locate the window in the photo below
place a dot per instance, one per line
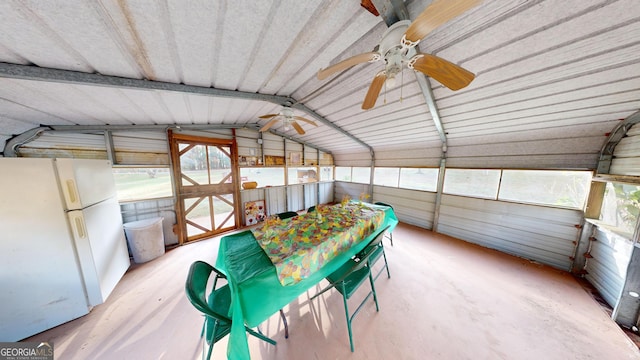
(142, 183)
(264, 176)
(620, 207)
(419, 178)
(558, 188)
(326, 173)
(343, 173)
(476, 183)
(302, 175)
(385, 176)
(361, 175)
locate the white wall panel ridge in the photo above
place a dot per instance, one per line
(544, 234)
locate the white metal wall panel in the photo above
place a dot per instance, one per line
(295, 198)
(275, 199)
(141, 148)
(626, 155)
(326, 192)
(425, 155)
(310, 195)
(607, 268)
(359, 158)
(273, 146)
(544, 234)
(411, 206)
(353, 190)
(67, 145)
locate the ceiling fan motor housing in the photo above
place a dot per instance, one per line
(391, 49)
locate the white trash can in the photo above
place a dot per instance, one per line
(145, 239)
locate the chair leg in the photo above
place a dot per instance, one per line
(346, 311)
(286, 326)
(386, 265)
(260, 336)
(210, 341)
(373, 289)
(391, 238)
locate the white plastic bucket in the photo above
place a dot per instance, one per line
(145, 239)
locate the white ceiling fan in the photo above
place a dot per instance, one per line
(288, 120)
(398, 49)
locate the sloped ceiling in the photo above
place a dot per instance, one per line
(553, 77)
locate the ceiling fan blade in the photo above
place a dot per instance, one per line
(269, 125)
(436, 14)
(268, 116)
(297, 127)
(345, 64)
(305, 120)
(448, 74)
(374, 90)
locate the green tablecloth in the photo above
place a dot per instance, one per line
(256, 290)
(302, 245)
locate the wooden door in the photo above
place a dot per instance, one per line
(206, 185)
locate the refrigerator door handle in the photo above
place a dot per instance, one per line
(71, 188)
(80, 228)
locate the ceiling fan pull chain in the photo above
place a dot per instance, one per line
(385, 92)
(401, 84)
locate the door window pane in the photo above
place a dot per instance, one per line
(219, 164)
(223, 216)
(197, 215)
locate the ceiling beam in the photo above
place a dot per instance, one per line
(330, 124)
(35, 73)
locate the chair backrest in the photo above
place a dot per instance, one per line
(372, 246)
(287, 214)
(362, 258)
(196, 288)
(383, 204)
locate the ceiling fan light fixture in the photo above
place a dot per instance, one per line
(391, 80)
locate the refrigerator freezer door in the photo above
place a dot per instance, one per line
(85, 182)
(102, 248)
(40, 280)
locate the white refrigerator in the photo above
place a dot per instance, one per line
(62, 244)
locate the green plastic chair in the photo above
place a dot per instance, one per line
(216, 307)
(348, 278)
(389, 235)
(378, 251)
(287, 215)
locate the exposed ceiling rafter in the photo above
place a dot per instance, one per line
(35, 73)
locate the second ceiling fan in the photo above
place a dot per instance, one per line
(397, 48)
(288, 120)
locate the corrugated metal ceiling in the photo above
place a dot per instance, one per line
(552, 77)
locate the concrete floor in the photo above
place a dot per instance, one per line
(446, 299)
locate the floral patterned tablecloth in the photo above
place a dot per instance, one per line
(301, 245)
